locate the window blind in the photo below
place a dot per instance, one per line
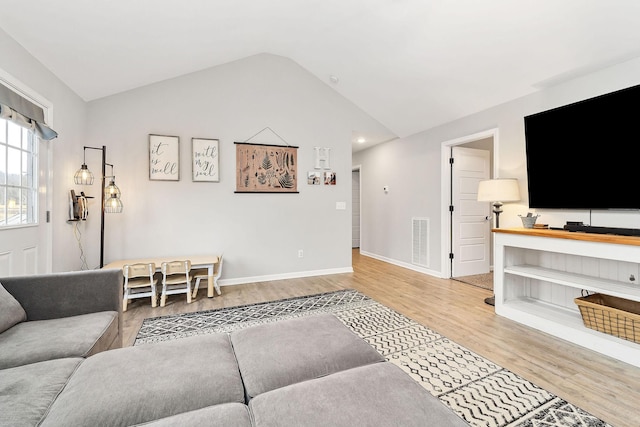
(23, 112)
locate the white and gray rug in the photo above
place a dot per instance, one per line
(481, 392)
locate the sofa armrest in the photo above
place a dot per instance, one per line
(56, 295)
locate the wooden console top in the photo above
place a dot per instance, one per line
(572, 235)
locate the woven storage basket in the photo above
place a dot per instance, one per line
(614, 316)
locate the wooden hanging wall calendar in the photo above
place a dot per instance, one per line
(262, 168)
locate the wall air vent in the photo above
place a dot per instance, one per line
(420, 234)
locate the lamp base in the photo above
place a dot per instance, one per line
(497, 209)
(490, 300)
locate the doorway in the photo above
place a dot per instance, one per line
(355, 208)
(466, 224)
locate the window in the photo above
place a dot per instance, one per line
(18, 175)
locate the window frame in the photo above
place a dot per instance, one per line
(24, 144)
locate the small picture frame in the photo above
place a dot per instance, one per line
(164, 158)
(314, 178)
(205, 160)
(329, 178)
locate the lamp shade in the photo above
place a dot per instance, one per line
(498, 190)
(83, 176)
(112, 189)
(113, 204)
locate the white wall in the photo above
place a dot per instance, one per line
(69, 117)
(260, 234)
(412, 168)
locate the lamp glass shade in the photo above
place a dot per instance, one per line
(83, 176)
(111, 190)
(498, 190)
(113, 204)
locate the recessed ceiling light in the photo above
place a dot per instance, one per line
(334, 79)
(361, 140)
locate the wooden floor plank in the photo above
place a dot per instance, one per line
(603, 386)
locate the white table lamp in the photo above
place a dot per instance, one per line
(498, 191)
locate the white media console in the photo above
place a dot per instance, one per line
(538, 273)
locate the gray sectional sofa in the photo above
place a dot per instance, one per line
(49, 324)
(309, 371)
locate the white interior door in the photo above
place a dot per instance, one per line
(471, 231)
(25, 249)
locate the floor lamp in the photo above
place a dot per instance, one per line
(110, 196)
(498, 191)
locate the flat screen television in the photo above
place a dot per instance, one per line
(582, 155)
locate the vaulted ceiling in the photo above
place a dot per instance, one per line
(410, 64)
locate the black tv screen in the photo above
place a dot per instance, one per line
(582, 155)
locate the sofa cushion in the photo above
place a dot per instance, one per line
(27, 392)
(278, 354)
(374, 395)
(133, 385)
(39, 340)
(226, 414)
(11, 312)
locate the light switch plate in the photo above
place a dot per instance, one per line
(341, 206)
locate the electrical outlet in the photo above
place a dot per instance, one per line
(300, 253)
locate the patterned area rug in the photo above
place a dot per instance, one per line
(481, 392)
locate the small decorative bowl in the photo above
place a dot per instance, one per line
(528, 221)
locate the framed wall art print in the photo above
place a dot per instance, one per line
(205, 164)
(164, 158)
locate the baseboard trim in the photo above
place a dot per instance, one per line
(293, 275)
(422, 270)
(312, 273)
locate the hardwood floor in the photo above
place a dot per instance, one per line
(606, 388)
